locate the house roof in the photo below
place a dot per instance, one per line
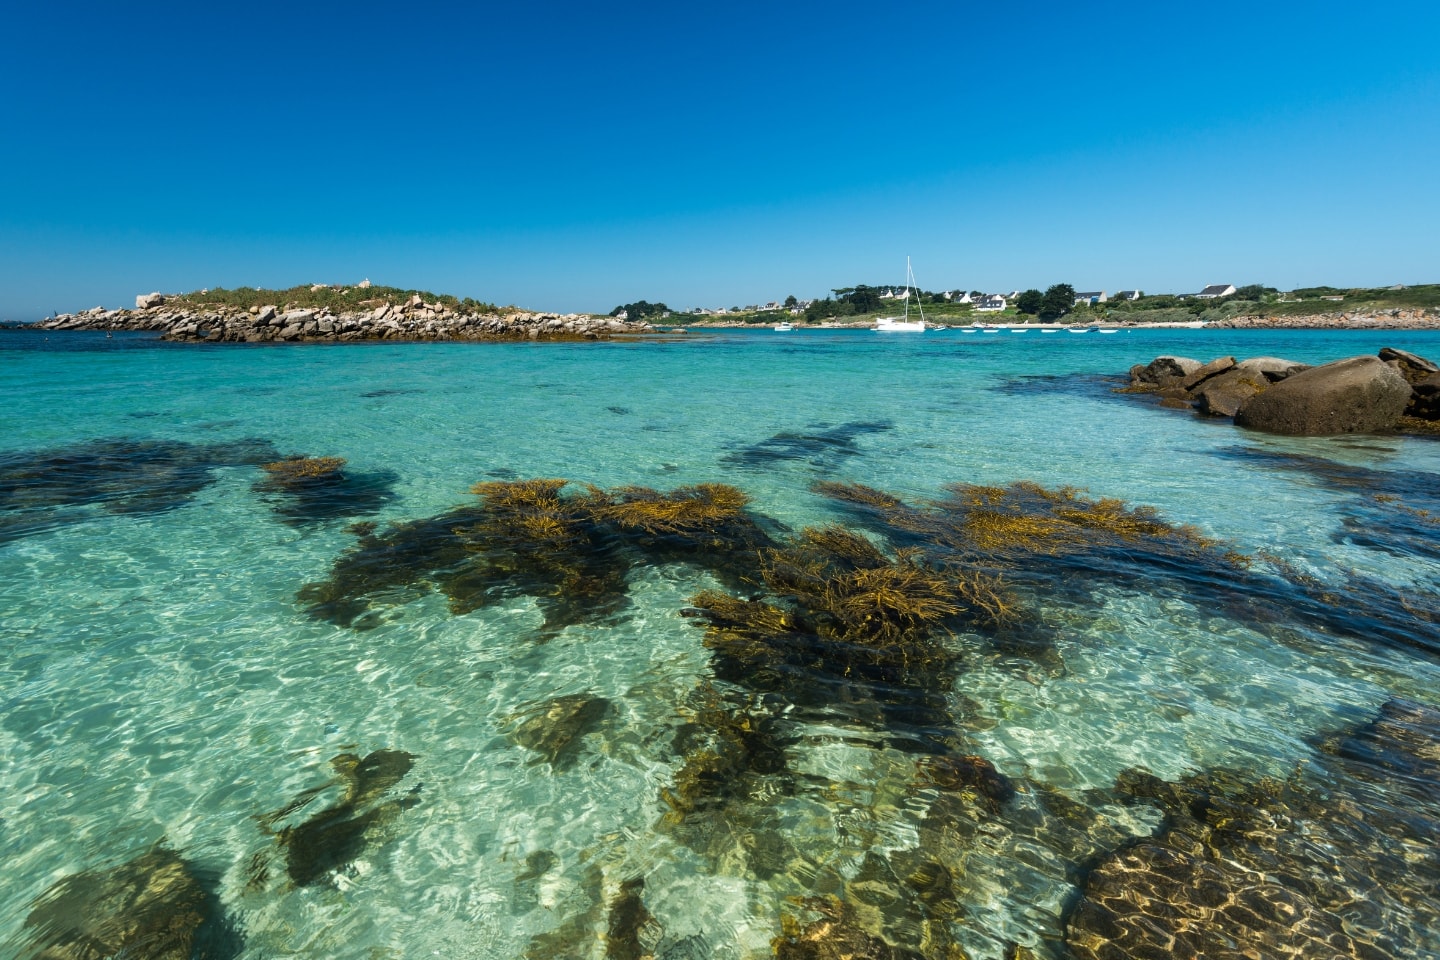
(1216, 290)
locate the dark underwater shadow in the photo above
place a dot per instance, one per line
(42, 490)
(819, 445)
(1393, 511)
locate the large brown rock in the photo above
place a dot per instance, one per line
(1221, 396)
(1356, 395)
(1163, 372)
(1412, 367)
(1271, 368)
(1425, 398)
(1212, 369)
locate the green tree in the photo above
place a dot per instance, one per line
(1030, 302)
(791, 303)
(1059, 300)
(640, 309)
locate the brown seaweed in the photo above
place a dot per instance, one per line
(1320, 865)
(554, 728)
(571, 553)
(852, 635)
(313, 489)
(837, 934)
(327, 841)
(395, 565)
(631, 933)
(154, 906)
(735, 766)
(1056, 541)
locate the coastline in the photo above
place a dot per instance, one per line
(418, 320)
(413, 320)
(1391, 319)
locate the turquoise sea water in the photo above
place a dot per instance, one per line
(162, 684)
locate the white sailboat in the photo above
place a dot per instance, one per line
(904, 324)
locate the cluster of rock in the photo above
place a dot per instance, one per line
(1365, 394)
(413, 319)
(1392, 319)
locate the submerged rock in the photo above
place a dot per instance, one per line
(331, 839)
(554, 728)
(1358, 395)
(835, 935)
(1331, 866)
(151, 908)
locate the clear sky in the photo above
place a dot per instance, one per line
(572, 156)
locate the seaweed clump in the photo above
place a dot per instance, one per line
(571, 552)
(1008, 526)
(153, 906)
(555, 728)
(1245, 866)
(734, 747)
(529, 540)
(318, 847)
(310, 489)
(837, 934)
(852, 634)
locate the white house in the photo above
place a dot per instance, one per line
(1216, 290)
(990, 304)
(1128, 294)
(1094, 296)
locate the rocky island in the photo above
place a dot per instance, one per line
(324, 313)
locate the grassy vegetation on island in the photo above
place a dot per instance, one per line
(339, 299)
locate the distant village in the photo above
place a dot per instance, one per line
(979, 302)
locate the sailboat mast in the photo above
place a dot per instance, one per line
(907, 288)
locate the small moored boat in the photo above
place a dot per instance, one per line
(904, 324)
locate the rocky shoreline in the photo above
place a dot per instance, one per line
(1394, 319)
(414, 319)
(1395, 390)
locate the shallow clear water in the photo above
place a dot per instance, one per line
(160, 680)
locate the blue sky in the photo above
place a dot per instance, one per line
(575, 156)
